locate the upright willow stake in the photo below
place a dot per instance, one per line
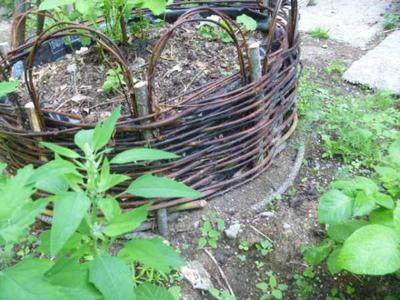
(34, 122)
(20, 8)
(256, 74)
(143, 108)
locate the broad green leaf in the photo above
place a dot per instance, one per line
(384, 200)
(20, 221)
(317, 254)
(25, 281)
(73, 278)
(175, 291)
(69, 210)
(340, 232)
(332, 261)
(127, 222)
(52, 4)
(248, 22)
(363, 204)
(104, 131)
(110, 208)
(277, 294)
(141, 154)
(394, 151)
(84, 137)
(382, 216)
(262, 286)
(112, 278)
(149, 186)
(50, 176)
(73, 243)
(157, 7)
(8, 87)
(148, 291)
(334, 207)
(152, 253)
(371, 250)
(396, 217)
(63, 151)
(15, 192)
(366, 184)
(107, 180)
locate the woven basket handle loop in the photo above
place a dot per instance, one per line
(72, 29)
(187, 18)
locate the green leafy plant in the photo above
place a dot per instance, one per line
(363, 220)
(392, 21)
(221, 295)
(214, 32)
(336, 68)
(115, 12)
(114, 80)
(211, 231)
(85, 254)
(271, 289)
(7, 87)
(264, 247)
(360, 128)
(244, 246)
(319, 33)
(248, 22)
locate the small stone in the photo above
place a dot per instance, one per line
(286, 226)
(267, 214)
(233, 231)
(325, 46)
(197, 276)
(71, 68)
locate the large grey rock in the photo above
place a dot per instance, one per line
(197, 275)
(233, 231)
(380, 67)
(354, 22)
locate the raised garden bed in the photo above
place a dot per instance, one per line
(226, 125)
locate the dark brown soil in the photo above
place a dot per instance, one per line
(189, 60)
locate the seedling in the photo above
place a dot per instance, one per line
(320, 33)
(211, 231)
(248, 22)
(336, 68)
(114, 80)
(244, 246)
(221, 295)
(264, 247)
(271, 289)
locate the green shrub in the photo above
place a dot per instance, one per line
(363, 222)
(82, 255)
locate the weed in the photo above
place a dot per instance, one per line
(221, 295)
(271, 289)
(114, 80)
(360, 128)
(264, 247)
(305, 287)
(336, 68)
(211, 231)
(392, 21)
(244, 246)
(248, 22)
(319, 33)
(79, 242)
